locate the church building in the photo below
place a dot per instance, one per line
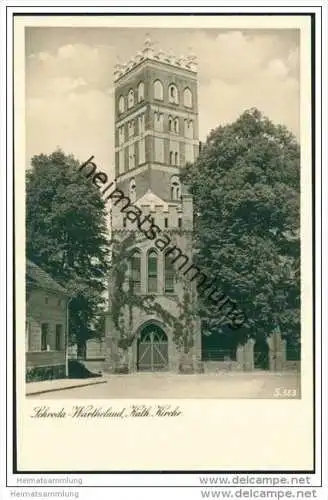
(156, 135)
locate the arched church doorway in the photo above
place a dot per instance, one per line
(261, 355)
(152, 349)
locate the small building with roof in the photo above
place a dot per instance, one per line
(46, 325)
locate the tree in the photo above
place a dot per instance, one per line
(185, 326)
(246, 189)
(66, 236)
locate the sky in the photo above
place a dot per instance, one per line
(69, 81)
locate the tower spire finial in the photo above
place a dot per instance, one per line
(148, 49)
(148, 40)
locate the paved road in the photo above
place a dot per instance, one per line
(167, 385)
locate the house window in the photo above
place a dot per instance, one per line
(141, 91)
(169, 273)
(135, 267)
(132, 190)
(130, 99)
(44, 336)
(158, 90)
(121, 105)
(187, 98)
(175, 187)
(152, 271)
(59, 337)
(173, 94)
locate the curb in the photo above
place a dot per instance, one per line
(43, 391)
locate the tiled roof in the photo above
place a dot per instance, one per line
(37, 277)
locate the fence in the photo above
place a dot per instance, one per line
(95, 349)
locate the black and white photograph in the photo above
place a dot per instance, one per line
(162, 213)
(165, 313)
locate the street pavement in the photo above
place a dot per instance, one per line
(46, 386)
(257, 384)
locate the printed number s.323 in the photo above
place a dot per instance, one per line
(283, 392)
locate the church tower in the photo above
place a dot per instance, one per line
(156, 122)
(156, 135)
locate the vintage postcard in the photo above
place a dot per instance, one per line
(164, 288)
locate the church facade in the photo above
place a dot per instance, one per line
(156, 135)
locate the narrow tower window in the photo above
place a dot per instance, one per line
(158, 90)
(158, 121)
(132, 190)
(189, 129)
(187, 98)
(130, 99)
(169, 273)
(170, 124)
(121, 135)
(173, 94)
(176, 125)
(152, 271)
(141, 91)
(175, 187)
(135, 275)
(121, 105)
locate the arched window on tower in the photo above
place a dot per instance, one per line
(121, 105)
(188, 129)
(130, 99)
(176, 125)
(133, 190)
(175, 187)
(173, 94)
(158, 121)
(141, 91)
(187, 98)
(169, 274)
(135, 272)
(152, 271)
(170, 124)
(158, 90)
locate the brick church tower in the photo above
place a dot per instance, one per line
(156, 134)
